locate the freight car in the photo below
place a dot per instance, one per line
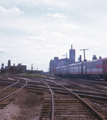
(95, 69)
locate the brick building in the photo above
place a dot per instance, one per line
(13, 69)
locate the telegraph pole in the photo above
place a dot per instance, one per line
(84, 52)
(65, 55)
(32, 67)
(66, 58)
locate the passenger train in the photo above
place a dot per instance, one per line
(95, 69)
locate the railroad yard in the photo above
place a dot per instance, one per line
(52, 99)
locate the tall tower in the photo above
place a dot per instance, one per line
(72, 54)
(9, 63)
(2, 66)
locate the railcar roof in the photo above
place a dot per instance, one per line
(75, 64)
(61, 66)
(102, 59)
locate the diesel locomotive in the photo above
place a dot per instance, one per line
(95, 69)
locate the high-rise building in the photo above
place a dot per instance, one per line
(51, 67)
(9, 63)
(72, 54)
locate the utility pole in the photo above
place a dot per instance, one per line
(84, 52)
(66, 58)
(65, 55)
(32, 67)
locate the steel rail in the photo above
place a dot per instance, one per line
(86, 92)
(91, 96)
(87, 85)
(52, 101)
(13, 92)
(83, 95)
(83, 101)
(63, 92)
(9, 86)
(78, 92)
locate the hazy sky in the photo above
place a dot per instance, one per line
(36, 31)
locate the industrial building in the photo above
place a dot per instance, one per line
(13, 69)
(62, 62)
(72, 54)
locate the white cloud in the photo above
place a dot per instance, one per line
(13, 11)
(51, 46)
(69, 25)
(60, 3)
(57, 15)
(36, 38)
(38, 47)
(58, 22)
(2, 50)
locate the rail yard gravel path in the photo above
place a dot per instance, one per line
(24, 106)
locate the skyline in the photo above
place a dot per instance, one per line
(36, 31)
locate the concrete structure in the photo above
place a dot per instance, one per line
(57, 63)
(9, 63)
(9, 70)
(21, 68)
(94, 57)
(80, 59)
(62, 62)
(72, 54)
(51, 67)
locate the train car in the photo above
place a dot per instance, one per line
(61, 71)
(75, 70)
(96, 69)
(57, 71)
(104, 68)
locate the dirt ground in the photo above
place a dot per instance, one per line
(25, 105)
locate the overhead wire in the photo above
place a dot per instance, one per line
(97, 46)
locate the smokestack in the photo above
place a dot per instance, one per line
(9, 63)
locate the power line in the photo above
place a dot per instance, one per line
(97, 46)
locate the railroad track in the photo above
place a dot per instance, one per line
(67, 106)
(71, 99)
(98, 85)
(10, 90)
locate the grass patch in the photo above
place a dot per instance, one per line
(33, 75)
